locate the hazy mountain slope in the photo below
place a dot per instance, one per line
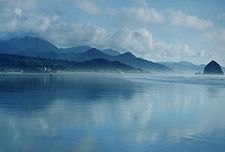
(111, 52)
(17, 45)
(183, 66)
(93, 54)
(78, 49)
(130, 59)
(9, 62)
(36, 53)
(36, 47)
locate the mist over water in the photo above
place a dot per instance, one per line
(112, 112)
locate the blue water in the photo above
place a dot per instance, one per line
(111, 112)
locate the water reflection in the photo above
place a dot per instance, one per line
(40, 91)
(101, 113)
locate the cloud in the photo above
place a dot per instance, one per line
(23, 4)
(142, 14)
(65, 34)
(175, 51)
(87, 6)
(221, 17)
(18, 11)
(142, 2)
(19, 20)
(72, 34)
(112, 12)
(178, 18)
(142, 43)
(145, 15)
(139, 40)
(215, 41)
(218, 36)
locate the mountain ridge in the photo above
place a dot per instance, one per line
(28, 46)
(12, 62)
(16, 45)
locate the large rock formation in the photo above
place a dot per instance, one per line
(213, 68)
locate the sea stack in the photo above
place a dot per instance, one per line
(213, 68)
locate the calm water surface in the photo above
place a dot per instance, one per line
(105, 112)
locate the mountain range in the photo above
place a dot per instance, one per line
(37, 47)
(185, 67)
(18, 63)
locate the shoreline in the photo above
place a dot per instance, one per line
(121, 73)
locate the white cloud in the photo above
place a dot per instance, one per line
(175, 51)
(178, 18)
(112, 12)
(72, 34)
(142, 2)
(22, 4)
(87, 6)
(44, 23)
(142, 14)
(139, 40)
(215, 41)
(18, 11)
(65, 34)
(17, 24)
(218, 36)
(221, 17)
(15, 20)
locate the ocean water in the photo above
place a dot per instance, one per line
(112, 113)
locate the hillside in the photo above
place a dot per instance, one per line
(36, 47)
(14, 63)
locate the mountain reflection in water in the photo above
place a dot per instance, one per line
(102, 112)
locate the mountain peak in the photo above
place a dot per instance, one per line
(26, 43)
(92, 54)
(77, 49)
(186, 63)
(111, 52)
(94, 50)
(128, 55)
(28, 37)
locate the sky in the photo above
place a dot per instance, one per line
(157, 30)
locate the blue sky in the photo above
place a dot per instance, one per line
(158, 30)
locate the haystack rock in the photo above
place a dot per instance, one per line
(213, 68)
